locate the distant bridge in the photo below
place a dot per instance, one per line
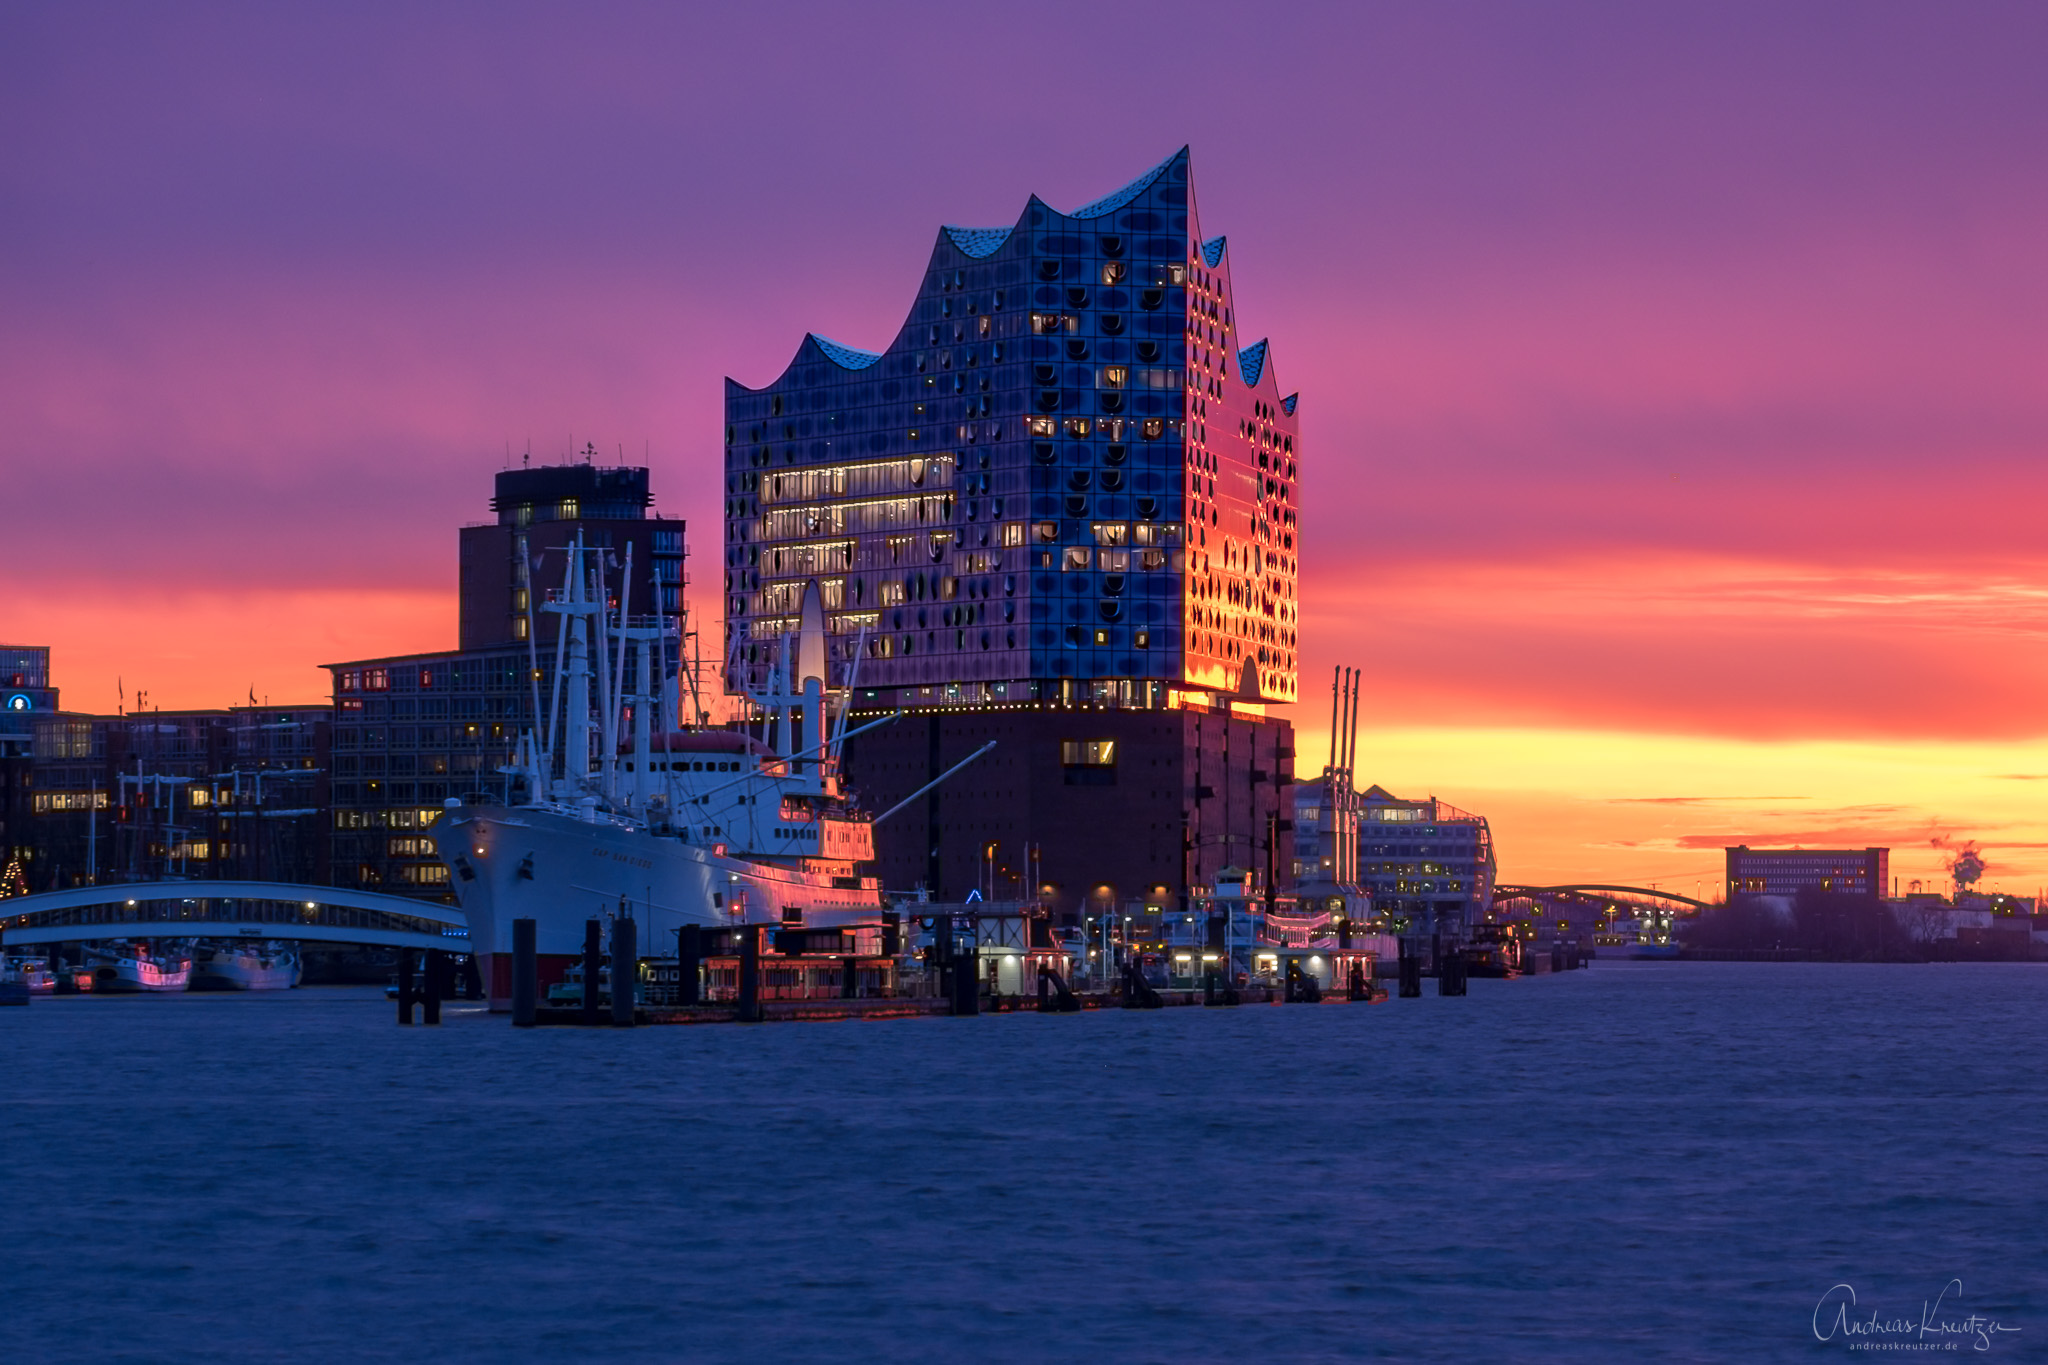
(1639, 897)
(224, 909)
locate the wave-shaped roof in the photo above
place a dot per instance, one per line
(845, 357)
(1289, 401)
(1110, 203)
(1251, 363)
(979, 243)
(1212, 251)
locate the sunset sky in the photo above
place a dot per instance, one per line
(1674, 377)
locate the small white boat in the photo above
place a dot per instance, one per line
(32, 972)
(245, 967)
(130, 968)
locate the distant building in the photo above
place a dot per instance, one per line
(1057, 510)
(1788, 871)
(1426, 862)
(25, 694)
(239, 792)
(412, 730)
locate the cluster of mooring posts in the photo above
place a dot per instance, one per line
(757, 973)
(427, 978)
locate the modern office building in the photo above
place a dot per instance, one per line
(1788, 871)
(412, 730)
(1430, 866)
(1058, 510)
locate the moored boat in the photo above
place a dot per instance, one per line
(120, 968)
(235, 966)
(34, 973)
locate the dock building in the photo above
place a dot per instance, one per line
(412, 730)
(1058, 510)
(1788, 871)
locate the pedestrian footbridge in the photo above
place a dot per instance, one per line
(231, 909)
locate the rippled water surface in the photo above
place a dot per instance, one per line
(1639, 1161)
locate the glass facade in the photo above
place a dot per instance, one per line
(1428, 865)
(1063, 470)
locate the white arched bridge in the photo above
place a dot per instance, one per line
(1604, 894)
(223, 909)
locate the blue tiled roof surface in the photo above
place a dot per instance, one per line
(1251, 363)
(979, 242)
(1288, 403)
(845, 357)
(1212, 252)
(1112, 202)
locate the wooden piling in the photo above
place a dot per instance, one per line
(625, 970)
(525, 974)
(593, 965)
(405, 995)
(434, 982)
(750, 975)
(689, 962)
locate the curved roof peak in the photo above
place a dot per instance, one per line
(1251, 362)
(1289, 401)
(1110, 203)
(845, 357)
(978, 243)
(1212, 251)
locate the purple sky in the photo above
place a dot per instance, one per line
(1713, 337)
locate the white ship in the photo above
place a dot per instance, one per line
(245, 967)
(120, 968)
(716, 828)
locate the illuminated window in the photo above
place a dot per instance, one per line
(1013, 533)
(1088, 753)
(1076, 558)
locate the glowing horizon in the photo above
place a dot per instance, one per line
(1671, 397)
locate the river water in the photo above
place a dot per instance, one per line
(1639, 1161)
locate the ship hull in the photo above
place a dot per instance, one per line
(562, 871)
(229, 969)
(130, 976)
